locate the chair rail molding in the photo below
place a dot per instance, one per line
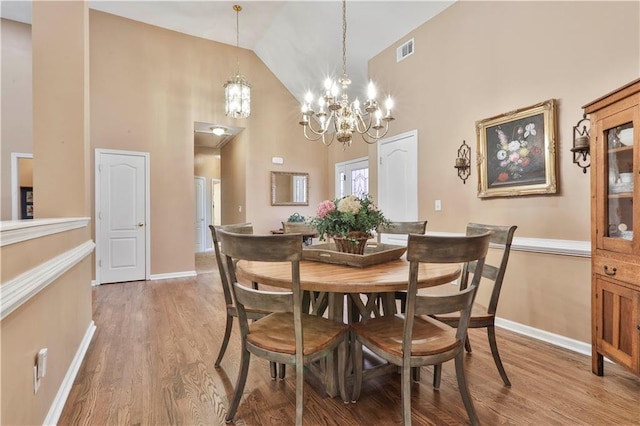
(17, 291)
(12, 232)
(541, 245)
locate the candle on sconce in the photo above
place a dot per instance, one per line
(461, 162)
(581, 142)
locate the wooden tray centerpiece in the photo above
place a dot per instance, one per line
(374, 253)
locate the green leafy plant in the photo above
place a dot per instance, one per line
(296, 217)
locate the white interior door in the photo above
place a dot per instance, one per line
(398, 180)
(216, 206)
(200, 186)
(122, 216)
(352, 177)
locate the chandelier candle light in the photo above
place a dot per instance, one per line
(237, 92)
(347, 117)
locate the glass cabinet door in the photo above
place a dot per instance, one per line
(620, 181)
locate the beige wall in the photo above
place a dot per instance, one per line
(16, 112)
(149, 85)
(59, 315)
(500, 56)
(61, 167)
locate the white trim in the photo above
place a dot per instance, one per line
(562, 247)
(67, 382)
(12, 232)
(541, 245)
(18, 290)
(147, 235)
(170, 275)
(545, 336)
(15, 182)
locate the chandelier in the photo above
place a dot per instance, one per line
(336, 113)
(237, 92)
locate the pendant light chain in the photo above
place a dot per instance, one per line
(339, 118)
(237, 8)
(344, 37)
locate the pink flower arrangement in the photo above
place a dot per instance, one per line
(325, 207)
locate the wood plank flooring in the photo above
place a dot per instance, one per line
(151, 363)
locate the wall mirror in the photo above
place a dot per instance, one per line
(289, 189)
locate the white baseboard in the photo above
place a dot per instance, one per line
(184, 274)
(63, 391)
(555, 339)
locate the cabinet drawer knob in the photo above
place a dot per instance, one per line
(611, 272)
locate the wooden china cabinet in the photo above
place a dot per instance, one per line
(615, 227)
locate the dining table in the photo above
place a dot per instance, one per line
(328, 285)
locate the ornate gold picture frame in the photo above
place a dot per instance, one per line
(517, 152)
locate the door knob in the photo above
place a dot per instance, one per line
(140, 224)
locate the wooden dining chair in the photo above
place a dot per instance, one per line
(415, 339)
(481, 316)
(401, 228)
(307, 230)
(240, 228)
(279, 336)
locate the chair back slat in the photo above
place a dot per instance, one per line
(298, 228)
(262, 248)
(443, 304)
(437, 249)
(488, 271)
(260, 300)
(417, 227)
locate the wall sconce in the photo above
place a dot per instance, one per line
(463, 162)
(581, 144)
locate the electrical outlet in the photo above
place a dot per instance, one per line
(239, 209)
(438, 205)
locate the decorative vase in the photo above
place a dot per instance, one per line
(354, 243)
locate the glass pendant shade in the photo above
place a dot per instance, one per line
(237, 94)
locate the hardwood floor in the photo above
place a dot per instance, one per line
(151, 363)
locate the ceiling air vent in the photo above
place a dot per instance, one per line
(404, 51)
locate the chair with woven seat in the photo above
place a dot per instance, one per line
(279, 336)
(240, 228)
(484, 317)
(415, 339)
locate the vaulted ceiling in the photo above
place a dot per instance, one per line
(300, 41)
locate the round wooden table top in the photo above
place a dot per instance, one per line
(326, 277)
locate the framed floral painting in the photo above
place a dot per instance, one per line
(517, 152)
